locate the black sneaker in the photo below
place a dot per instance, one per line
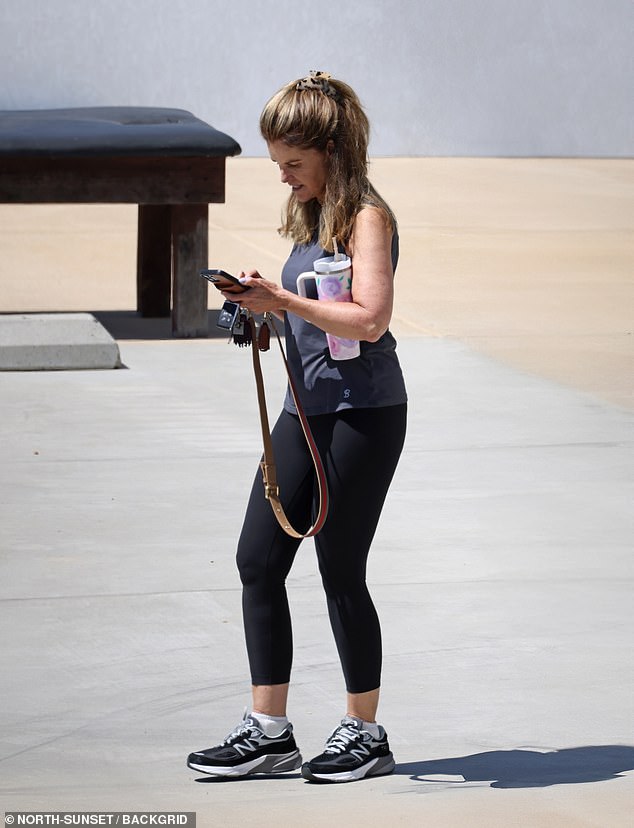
(350, 753)
(248, 750)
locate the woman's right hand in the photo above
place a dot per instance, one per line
(263, 296)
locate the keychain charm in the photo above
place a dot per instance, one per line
(264, 335)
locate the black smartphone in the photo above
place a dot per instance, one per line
(223, 280)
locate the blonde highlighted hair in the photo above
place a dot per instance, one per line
(310, 113)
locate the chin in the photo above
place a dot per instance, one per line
(304, 198)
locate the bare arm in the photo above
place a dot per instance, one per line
(368, 315)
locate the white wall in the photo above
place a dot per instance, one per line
(438, 77)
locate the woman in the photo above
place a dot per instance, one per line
(317, 133)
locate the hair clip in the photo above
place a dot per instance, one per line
(319, 81)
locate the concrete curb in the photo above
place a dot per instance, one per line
(55, 342)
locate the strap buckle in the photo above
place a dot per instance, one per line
(271, 489)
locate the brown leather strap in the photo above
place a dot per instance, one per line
(269, 472)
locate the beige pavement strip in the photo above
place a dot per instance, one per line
(528, 260)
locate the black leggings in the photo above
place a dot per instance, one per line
(360, 449)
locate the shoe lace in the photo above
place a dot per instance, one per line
(342, 737)
(245, 728)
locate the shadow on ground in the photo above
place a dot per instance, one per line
(527, 768)
(122, 324)
(254, 778)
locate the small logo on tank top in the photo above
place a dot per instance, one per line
(346, 394)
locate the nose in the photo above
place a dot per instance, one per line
(283, 176)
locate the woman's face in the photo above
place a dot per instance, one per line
(304, 170)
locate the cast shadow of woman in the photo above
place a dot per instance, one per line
(528, 768)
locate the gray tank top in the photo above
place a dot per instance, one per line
(372, 380)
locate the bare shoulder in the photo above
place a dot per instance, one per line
(373, 216)
(372, 226)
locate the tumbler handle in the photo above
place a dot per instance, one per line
(301, 282)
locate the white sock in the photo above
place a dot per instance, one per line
(271, 725)
(372, 728)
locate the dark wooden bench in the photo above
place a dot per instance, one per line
(165, 160)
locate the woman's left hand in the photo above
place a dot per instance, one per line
(262, 296)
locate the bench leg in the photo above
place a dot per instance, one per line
(154, 259)
(189, 257)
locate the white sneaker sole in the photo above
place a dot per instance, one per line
(270, 763)
(376, 767)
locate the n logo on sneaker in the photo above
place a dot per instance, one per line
(359, 752)
(246, 747)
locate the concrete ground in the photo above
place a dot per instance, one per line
(502, 569)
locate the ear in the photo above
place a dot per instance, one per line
(330, 147)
